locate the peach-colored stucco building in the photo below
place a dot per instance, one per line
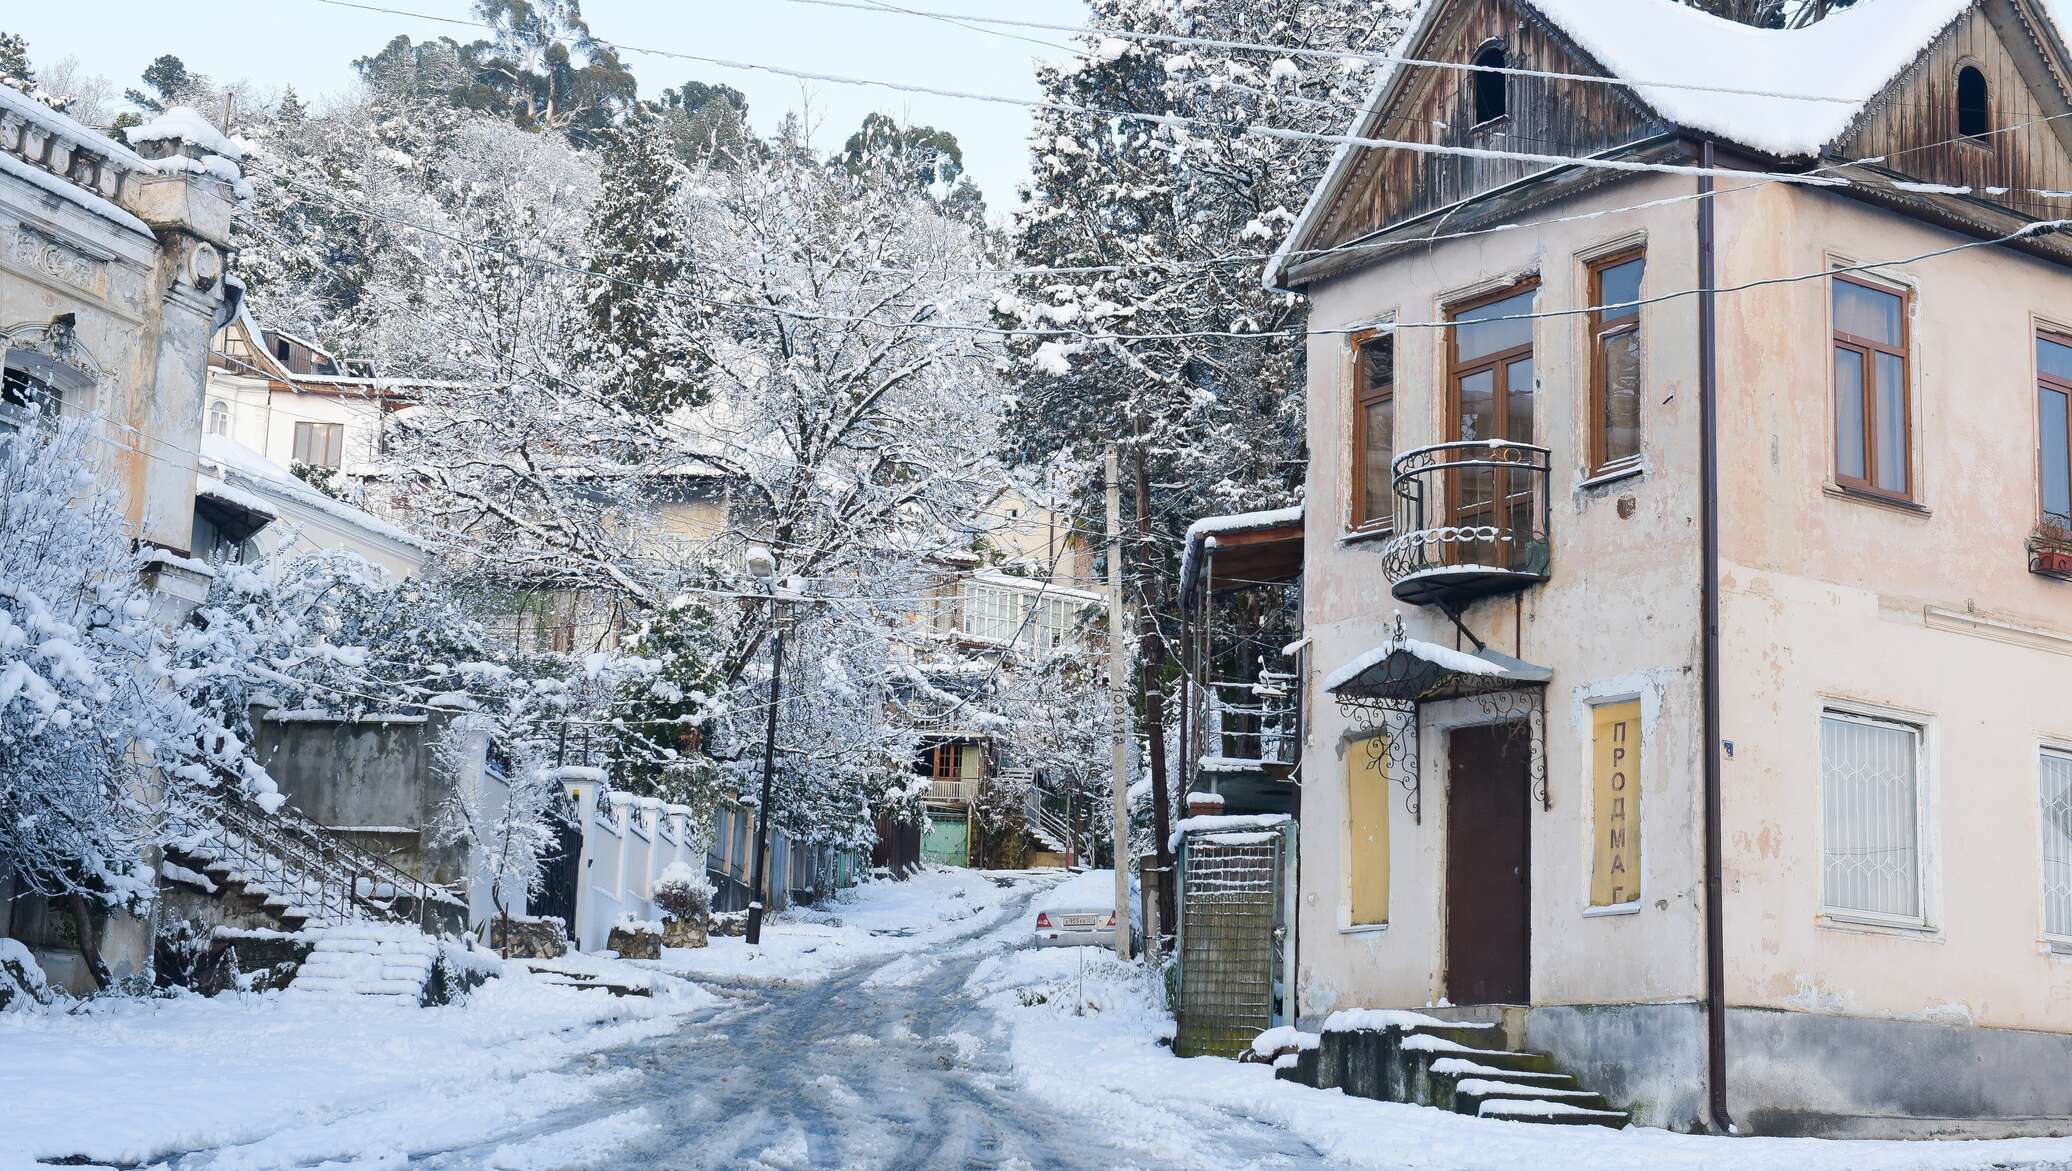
(1504, 798)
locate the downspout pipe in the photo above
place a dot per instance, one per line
(1708, 474)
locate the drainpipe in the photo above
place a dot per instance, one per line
(1708, 465)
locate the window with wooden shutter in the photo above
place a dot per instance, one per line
(1367, 819)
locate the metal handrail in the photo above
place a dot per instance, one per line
(314, 868)
(1432, 524)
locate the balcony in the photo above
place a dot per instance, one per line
(951, 792)
(1470, 522)
(1253, 726)
(2050, 548)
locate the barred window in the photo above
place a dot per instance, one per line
(1870, 796)
(2057, 844)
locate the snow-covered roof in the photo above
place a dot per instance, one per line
(240, 466)
(1445, 658)
(208, 487)
(1806, 86)
(1202, 534)
(28, 109)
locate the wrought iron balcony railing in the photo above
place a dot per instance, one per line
(1471, 521)
(2050, 547)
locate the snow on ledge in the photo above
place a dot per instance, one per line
(1243, 522)
(1351, 1019)
(1225, 822)
(1281, 1037)
(185, 124)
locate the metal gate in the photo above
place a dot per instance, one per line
(1234, 945)
(562, 875)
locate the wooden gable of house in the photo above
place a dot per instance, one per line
(1913, 128)
(1543, 116)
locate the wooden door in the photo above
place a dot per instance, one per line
(1488, 865)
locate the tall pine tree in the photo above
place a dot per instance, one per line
(642, 346)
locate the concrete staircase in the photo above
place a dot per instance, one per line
(1465, 1067)
(392, 962)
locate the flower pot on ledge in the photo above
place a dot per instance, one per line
(2056, 562)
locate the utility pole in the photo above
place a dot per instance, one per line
(1158, 899)
(764, 568)
(1118, 707)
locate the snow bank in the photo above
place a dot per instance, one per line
(1281, 1037)
(287, 1081)
(1111, 1063)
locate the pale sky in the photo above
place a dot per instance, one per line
(312, 45)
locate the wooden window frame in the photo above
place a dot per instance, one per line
(1499, 362)
(1867, 485)
(1600, 464)
(1972, 137)
(1363, 397)
(2064, 386)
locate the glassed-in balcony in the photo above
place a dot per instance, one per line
(1470, 522)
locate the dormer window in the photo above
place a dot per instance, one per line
(1974, 109)
(1490, 95)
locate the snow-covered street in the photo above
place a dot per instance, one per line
(909, 1025)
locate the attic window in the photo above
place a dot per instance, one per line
(1974, 111)
(1489, 84)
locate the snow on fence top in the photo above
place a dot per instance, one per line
(1225, 822)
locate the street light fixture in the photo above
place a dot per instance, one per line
(762, 566)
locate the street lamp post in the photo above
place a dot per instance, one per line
(763, 567)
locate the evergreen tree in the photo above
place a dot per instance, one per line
(662, 717)
(918, 159)
(641, 347)
(14, 63)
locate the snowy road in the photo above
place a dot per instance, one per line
(885, 1065)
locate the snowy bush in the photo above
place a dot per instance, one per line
(105, 748)
(682, 892)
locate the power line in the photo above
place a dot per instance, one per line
(1176, 120)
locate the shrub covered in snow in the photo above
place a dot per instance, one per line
(105, 746)
(683, 893)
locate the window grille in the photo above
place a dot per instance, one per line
(2057, 845)
(1870, 818)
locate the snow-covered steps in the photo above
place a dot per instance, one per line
(1410, 1057)
(387, 961)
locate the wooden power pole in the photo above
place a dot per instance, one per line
(1118, 707)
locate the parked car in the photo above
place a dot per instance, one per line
(1080, 912)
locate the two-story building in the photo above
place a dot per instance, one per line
(1684, 574)
(112, 278)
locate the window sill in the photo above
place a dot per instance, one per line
(1364, 929)
(1611, 912)
(1613, 475)
(2056, 947)
(1364, 536)
(1926, 932)
(1836, 492)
